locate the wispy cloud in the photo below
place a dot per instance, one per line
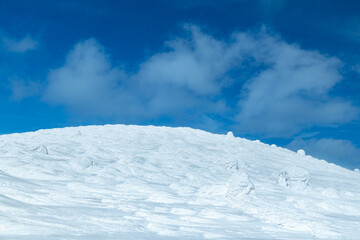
(287, 89)
(179, 83)
(20, 45)
(198, 63)
(86, 82)
(337, 151)
(23, 89)
(350, 28)
(291, 91)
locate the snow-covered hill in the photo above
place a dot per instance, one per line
(132, 182)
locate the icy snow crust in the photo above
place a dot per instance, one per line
(132, 182)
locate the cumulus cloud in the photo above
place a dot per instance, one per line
(288, 88)
(291, 91)
(339, 151)
(20, 46)
(199, 63)
(86, 82)
(179, 83)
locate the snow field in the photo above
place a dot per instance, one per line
(133, 182)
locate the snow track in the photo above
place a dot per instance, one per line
(133, 182)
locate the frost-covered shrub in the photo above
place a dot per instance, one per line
(294, 177)
(233, 165)
(41, 149)
(239, 185)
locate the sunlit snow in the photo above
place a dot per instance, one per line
(133, 182)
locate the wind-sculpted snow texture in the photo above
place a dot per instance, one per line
(132, 182)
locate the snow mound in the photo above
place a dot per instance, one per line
(230, 134)
(294, 177)
(330, 193)
(301, 152)
(233, 165)
(239, 186)
(41, 149)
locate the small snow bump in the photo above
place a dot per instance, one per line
(41, 149)
(239, 185)
(301, 152)
(330, 193)
(357, 170)
(230, 134)
(257, 141)
(233, 165)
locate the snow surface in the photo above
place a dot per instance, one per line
(133, 182)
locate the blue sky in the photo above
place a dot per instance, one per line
(285, 72)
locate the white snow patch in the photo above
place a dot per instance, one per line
(132, 182)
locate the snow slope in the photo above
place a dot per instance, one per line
(133, 182)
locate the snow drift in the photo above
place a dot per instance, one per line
(132, 182)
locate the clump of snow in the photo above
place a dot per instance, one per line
(233, 165)
(357, 170)
(301, 152)
(273, 145)
(330, 193)
(239, 186)
(230, 134)
(294, 177)
(41, 149)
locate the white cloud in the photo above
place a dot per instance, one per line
(291, 91)
(338, 151)
(166, 86)
(20, 46)
(199, 63)
(87, 82)
(288, 90)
